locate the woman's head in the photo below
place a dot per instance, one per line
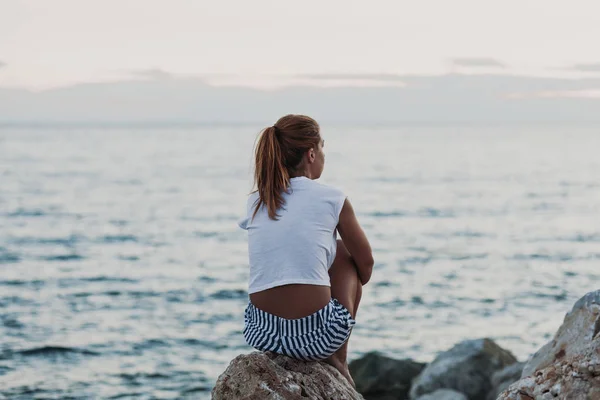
(292, 147)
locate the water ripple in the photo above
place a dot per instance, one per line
(62, 257)
(54, 351)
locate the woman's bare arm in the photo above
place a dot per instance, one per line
(356, 242)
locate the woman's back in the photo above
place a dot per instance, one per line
(298, 247)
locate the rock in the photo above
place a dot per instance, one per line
(382, 378)
(502, 379)
(444, 394)
(574, 379)
(259, 376)
(574, 336)
(467, 368)
(569, 366)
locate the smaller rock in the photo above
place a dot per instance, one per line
(502, 379)
(378, 377)
(467, 368)
(444, 394)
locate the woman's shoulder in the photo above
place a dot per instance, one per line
(330, 195)
(327, 189)
(252, 199)
(251, 202)
(333, 196)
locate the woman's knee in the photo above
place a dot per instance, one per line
(342, 251)
(343, 258)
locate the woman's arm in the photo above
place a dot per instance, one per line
(356, 242)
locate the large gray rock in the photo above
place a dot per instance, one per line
(569, 366)
(467, 368)
(259, 376)
(574, 336)
(378, 377)
(444, 394)
(502, 379)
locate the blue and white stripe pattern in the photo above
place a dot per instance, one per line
(311, 338)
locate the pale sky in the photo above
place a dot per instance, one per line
(45, 43)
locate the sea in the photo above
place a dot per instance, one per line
(123, 273)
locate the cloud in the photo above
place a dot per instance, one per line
(585, 67)
(155, 74)
(349, 80)
(478, 62)
(2, 64)
(353, 77)
(575, 94)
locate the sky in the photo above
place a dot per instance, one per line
(48, 44)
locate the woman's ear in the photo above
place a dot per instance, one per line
(312, 156)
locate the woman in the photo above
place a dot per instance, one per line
(305, 285)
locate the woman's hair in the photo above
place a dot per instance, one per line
(279, 152)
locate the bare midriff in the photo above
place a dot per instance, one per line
(292, 301)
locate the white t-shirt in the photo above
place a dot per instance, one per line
(300, 246)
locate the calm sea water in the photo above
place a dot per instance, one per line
(123, 273)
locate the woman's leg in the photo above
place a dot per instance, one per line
(346, 287)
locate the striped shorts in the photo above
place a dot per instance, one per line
(313, 338)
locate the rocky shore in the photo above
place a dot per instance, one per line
(568, 367)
